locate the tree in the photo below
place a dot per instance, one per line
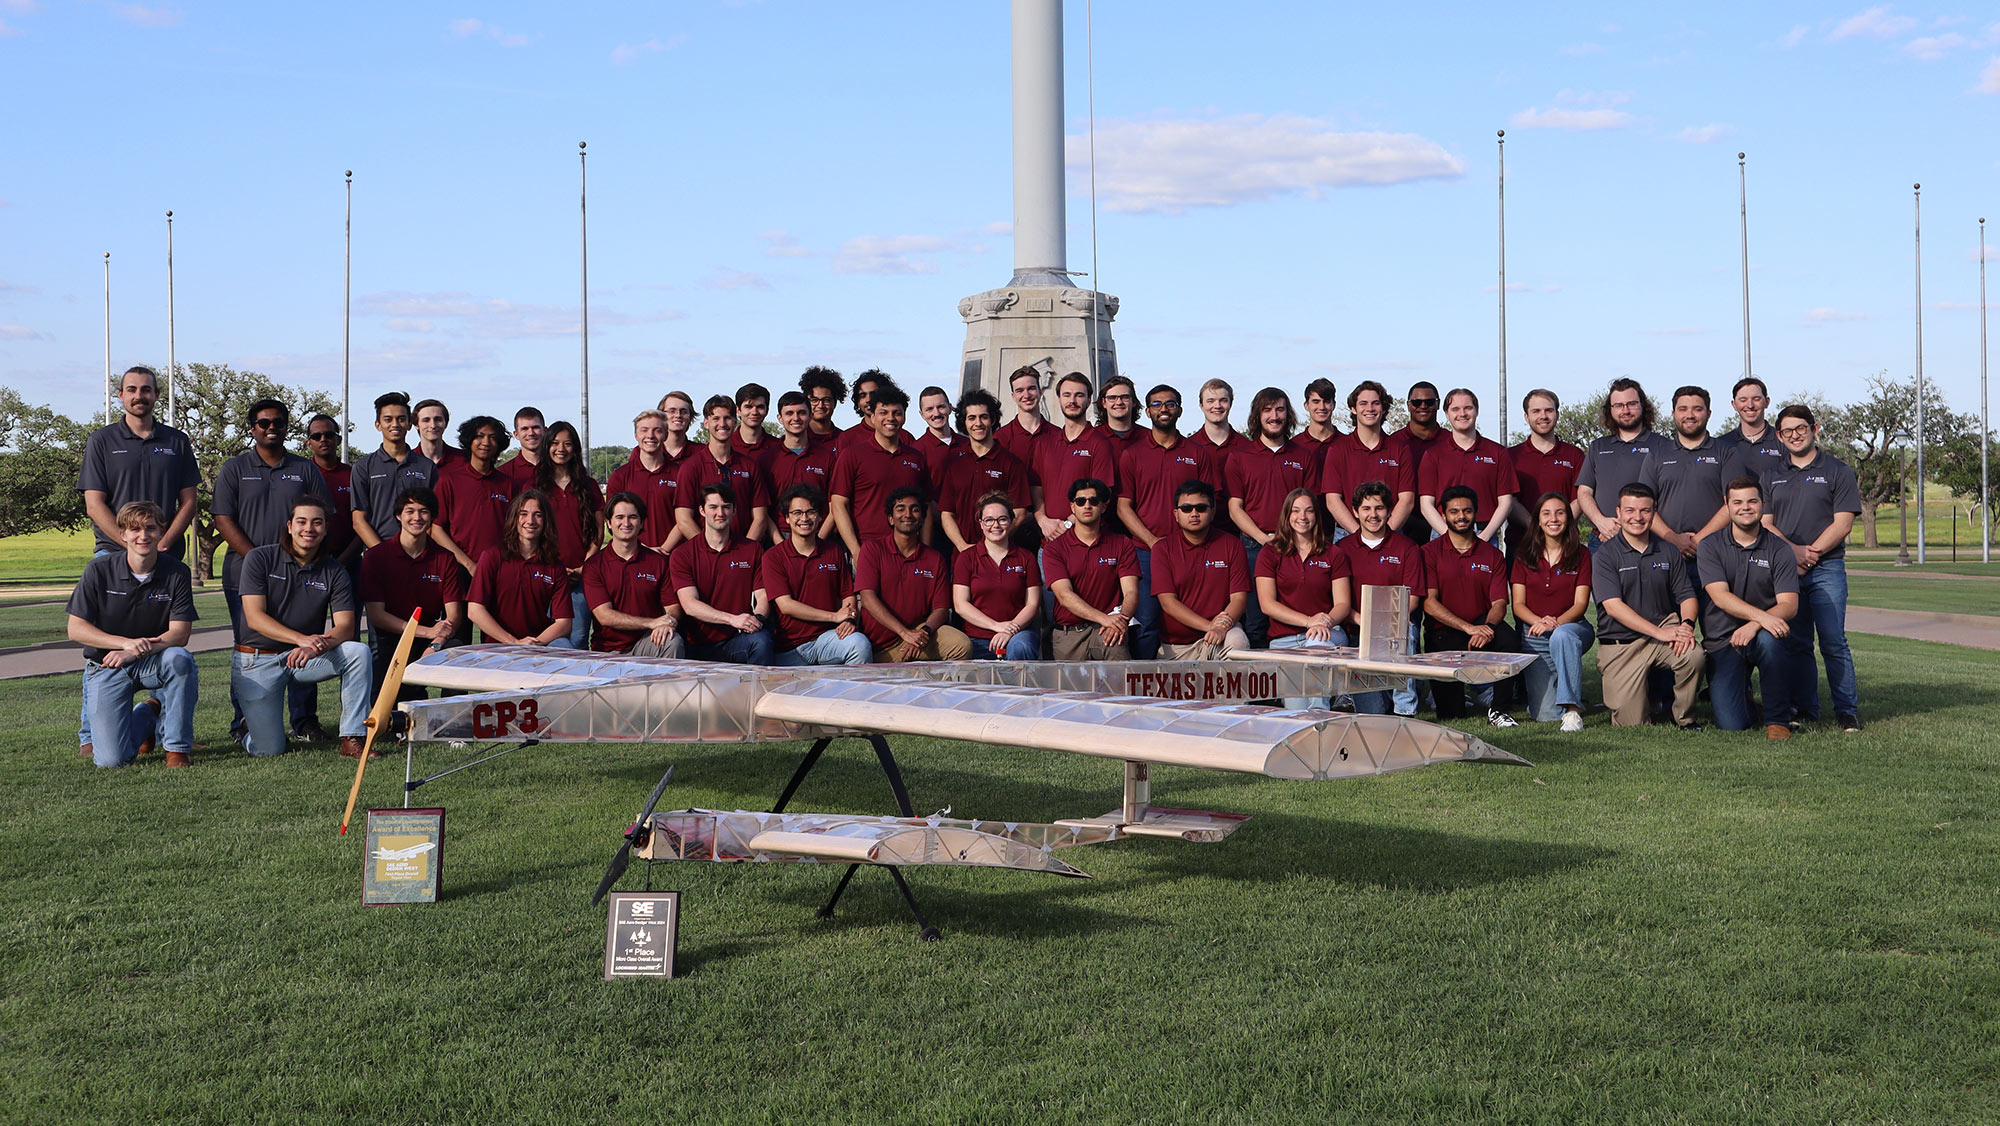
(41, 455)
(210, 402)
(1582, 423)
(1874, 435)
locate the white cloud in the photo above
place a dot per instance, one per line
(783, 244)
(20, 7)
(467, 28)
(147, 17)
(1795, 36)
(722, 277)
(627, 53)
(454, 314)
(1170, 165)
(1933, 47)
(998, 227)
(1989, 79)
(1688, 330)
(1875, 23)
(1575, 119)
(19, 332)
(1826, 316)
(897, 254)
(1703, 134)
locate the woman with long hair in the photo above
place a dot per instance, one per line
(520, 592)
(575, 515)
(1304, 584)
(1551, 587)
(997, 588)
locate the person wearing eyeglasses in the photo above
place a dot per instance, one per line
(1812, 499)
(1202, 580)
(1118, 414)
(253, 500)
(1093, 575)
(1305, 584)
(1153, 469)
(824, 388)
(812, 590)
(1613, 460)
(996, 588)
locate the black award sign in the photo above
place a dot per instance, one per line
(643, 929)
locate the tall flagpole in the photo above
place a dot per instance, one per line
(583, 214)
(1918, 190)
(1743, 209)
(109, 392)
(1503, 286)
(346, 314)
(1985, 524)
(173, 376)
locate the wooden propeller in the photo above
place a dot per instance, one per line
(385, 706)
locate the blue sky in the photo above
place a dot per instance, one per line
(1284, 191)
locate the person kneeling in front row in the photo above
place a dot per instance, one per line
(289, 589)
(1645, 615)
(1202, 579)
(1752, 578)
(1467, 604)
(132, 612)
(818, 615)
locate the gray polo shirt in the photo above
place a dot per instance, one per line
(1802, 500)
(111, 598)
(1754, 454)
(1691, 483)
(125, 468)
(259, 498)
(300, 598)
(1757, 574)
(379, 479)
(1611, 463)
(1652, 582)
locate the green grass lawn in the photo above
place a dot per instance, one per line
(55, 557)
(1940, 564)
(1895, 592)
(1644, 926)
(30, 625)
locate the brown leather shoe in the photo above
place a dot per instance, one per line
(350, 746)
(178, 758)
(87, 751)
(146, 744)
(1777, 731)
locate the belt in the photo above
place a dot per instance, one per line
(1072, 629)
(260, 652)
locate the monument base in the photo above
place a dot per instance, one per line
(1055, 329)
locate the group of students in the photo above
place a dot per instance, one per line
(1076, 538)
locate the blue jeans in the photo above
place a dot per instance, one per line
(120, 727)
(1822, 610)
(830, 648)
(1146, 634)
(1402, 700)
(301, 699)
(1729, 682)
(1023, 646)
(260, 679)
(1255, 625)
(743, 649)
(1294, 641)
(579, 618)
(1555, 680)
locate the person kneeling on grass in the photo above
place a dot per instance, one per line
(289, 588)
(132, 612)
(1752, 578)
(1467, 604)
(1304, 583)
(719, 581)
(1645, 615)
(1202, 579)
(810, 586)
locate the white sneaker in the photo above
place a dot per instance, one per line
(1572, 721)
(1498, 718)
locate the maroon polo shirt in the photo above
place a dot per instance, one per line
(635, 586)
(1538, 472)
(1261, 476)
(820, 580)
(1203, 576)
(1093, 571)
(763, 453)
(1154, 472)
(340, 521)
(724, 579)
(998, 590)
(866, 474)
(1468, 582)
(856, 435)
(910, 586)
(1312, 445)
(936, 453)
(1234, 442)
(404, 585)
(659, 489)
(520, 471)
(1304, 585)
(1346, 464)
(1065, 461)
(1487, 468)
(812, 466)
(969, 476)
(447, 454)
(1420, 448)
(570, 511)
(524, 597)
(1022, 444)
(1551, 589)
(1122, 440)
(830, 438)
(472, 507)
(1396, 561)
(701, 470)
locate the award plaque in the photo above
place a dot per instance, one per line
(403, 858)
(640, 937)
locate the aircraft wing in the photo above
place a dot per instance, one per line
(721, 836)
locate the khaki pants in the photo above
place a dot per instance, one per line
(1084, 645)
(1623, 667)
(947, 644)
(1202, 651)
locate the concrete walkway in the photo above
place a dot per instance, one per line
(1974, 630)
(66, 657)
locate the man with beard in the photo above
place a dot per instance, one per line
(1466, 607)
(905, 589)
(1156, 468)
(1202, 580)
(1613, 460)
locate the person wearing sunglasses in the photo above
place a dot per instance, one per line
(1153, 469)
(1419, 435)
(253, 501)
(1202, 580)
(1093, 575)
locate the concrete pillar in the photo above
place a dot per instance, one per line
(1039, 231)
